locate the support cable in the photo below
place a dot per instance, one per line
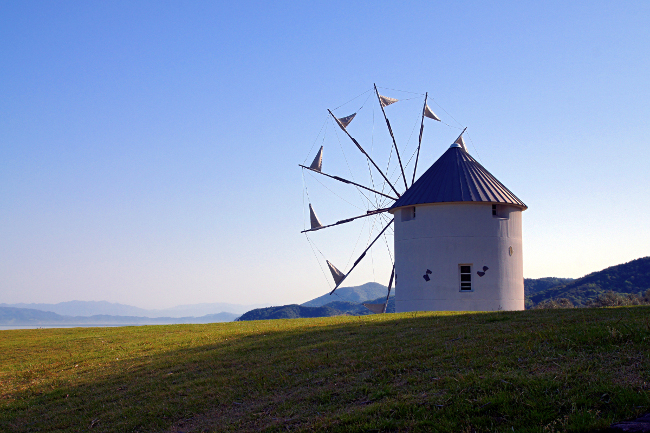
(348, 164)
(355, 244)
(353, 99)
(327, 282)
(324, 186)
(314, 143)
(405, 91)
(475, 149)
(364, 152)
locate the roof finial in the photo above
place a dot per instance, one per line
(459, 141)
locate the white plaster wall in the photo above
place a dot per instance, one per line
(441, 237)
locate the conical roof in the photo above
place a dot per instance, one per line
(457, 177)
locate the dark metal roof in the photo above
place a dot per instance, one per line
(457, 177)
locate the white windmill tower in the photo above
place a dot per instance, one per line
(457, 231)
(458, 244)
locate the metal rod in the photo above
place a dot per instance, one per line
(364, 152)
(362, 255)
(347, 220)
(340, 179)
(392, 136)
(461, 134)
(420, 139)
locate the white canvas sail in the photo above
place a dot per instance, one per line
(345, 121)
(336, 274)
(376, 308)
(459, 141)
(315, 223)
(430, 114)
(317, 164)
(386, 101)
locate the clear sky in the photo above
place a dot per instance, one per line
(149, 150)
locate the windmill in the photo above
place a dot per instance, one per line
(457, 229)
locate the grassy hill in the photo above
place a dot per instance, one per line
(632, 277)
(527, 371)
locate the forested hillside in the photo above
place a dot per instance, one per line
(628, 278)
(536, 285)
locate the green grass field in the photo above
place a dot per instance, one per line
(539, 370)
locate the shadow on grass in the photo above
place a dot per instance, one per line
(559, 370)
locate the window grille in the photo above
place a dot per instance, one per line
(465, 278)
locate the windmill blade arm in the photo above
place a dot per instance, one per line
(390, 285)
(365, 153)
(399, 159)
(340, 179)
(362, 255)
(415, 168)
(347, 220)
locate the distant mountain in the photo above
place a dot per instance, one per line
(355, 294)
(93, 308)
(631, 277)
(348, 302)
(27, 316)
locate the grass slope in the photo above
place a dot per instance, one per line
(539, 370)
(630, 277)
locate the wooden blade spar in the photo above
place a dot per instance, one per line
(340, 179)
(362, 255)
(399, 159)
(347, 220)
(390, 285)
(420, 139)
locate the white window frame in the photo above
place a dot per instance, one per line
(462, 285)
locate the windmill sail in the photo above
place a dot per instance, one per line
(385, 101)
(315, 223)
(345, 121)
(336, 274)
(459, 141)
(430, 114)
(317, 164)
(376, 308)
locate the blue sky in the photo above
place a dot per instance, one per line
(149, 150)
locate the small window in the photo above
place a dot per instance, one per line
(465, 278)
(500, 211)
(408, 213)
